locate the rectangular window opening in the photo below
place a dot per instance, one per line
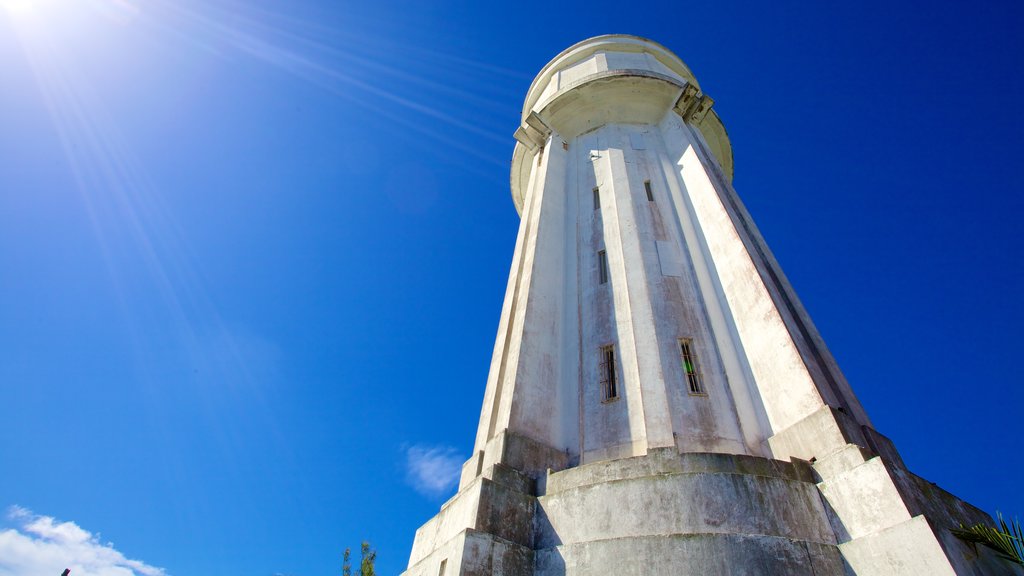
(690, 367)
(444, 564)
(597, 198)
(602, 266)
(609, 373)
(647, 188)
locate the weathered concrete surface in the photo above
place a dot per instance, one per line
(691, 555)
(890, 521)
(633, 239)
(594, 122)
(908, 548)
(666, 513)
(648, 511)
(817, 435)
(499, 502)
(698, 513)
(474, 553)
(526, 456)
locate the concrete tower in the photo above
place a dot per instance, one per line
(658, 401)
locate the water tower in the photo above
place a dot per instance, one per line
(659, 401)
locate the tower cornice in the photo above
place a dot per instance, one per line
(640, 77)
(607, 42)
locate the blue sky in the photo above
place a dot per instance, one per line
(252, 255)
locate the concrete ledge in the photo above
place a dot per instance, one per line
(905, 549)
(525, 454)
(514, 479)
(691, 555)
(665, 493)
(616, 452)
(668, 461)
(840, 461)
(863, 500)
(818, 435)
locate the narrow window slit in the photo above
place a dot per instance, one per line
(647, 188)
(602, 266)
(609, 373)
(690, 367)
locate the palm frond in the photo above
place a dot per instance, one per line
(1008, 542)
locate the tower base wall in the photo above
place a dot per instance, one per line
(849, 513)
(691, 555)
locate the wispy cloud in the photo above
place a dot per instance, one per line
(433, 470)
(44, 545)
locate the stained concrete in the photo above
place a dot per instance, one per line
(702, 513)
(771, 467)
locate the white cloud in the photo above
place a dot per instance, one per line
(44, 546)
(432, 470)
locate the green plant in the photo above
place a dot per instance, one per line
(368, 558)
(1008, 542)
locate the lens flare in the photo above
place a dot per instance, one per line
(17, 6)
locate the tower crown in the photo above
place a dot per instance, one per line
(612, 78)
(660, 60)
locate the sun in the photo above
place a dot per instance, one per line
(17, 6)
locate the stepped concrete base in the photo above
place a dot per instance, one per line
(848, 513)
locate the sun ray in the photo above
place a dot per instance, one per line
(127, 212)
(297, 55)
(130, 221)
